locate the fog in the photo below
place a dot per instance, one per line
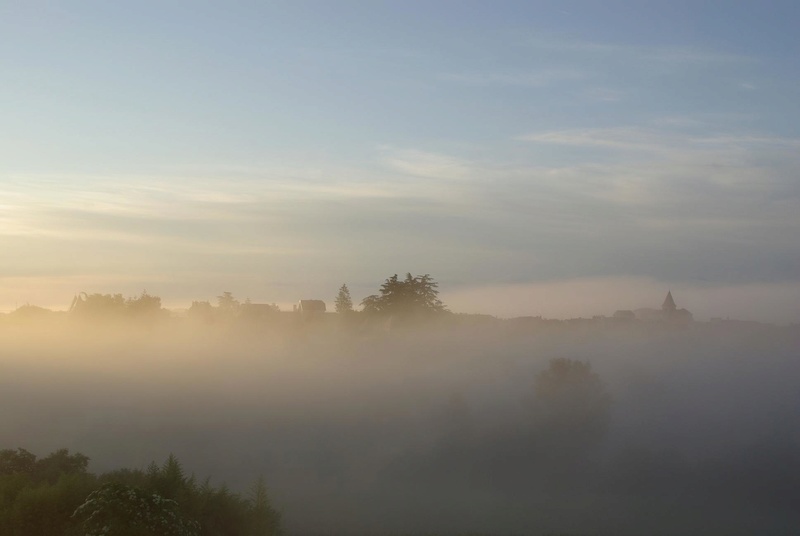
(368, 427)
(776, 302)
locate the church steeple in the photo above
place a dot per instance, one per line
(669, 304)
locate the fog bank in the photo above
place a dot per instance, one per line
(363, 429)
(759, 302)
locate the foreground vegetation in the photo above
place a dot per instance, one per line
(56, 495)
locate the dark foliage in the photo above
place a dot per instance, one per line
(57, 496)
(412, 296)
(110, 306)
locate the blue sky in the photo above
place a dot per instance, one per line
(279, 150)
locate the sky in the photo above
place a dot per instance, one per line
(536, 158)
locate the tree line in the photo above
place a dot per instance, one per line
(412, 296)
(56, 495)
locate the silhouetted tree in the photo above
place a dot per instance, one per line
(264, 519)
(58, 463)
(227, 303)
(168, 480)
(37, 497)
(104, 305)
(28, 311)
(202, 311)
(47, 469)
(413, 295)
(117, 509)
(57, 496)
(371, 304)
(18, 461)
(144, 305)
(344, 303)
(426, 292)
(571, 402)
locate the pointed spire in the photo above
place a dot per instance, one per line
(669, 303)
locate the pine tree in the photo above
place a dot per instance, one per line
(264, 519)
(344, 304)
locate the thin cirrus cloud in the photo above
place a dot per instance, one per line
(427, 165)
(263, 213)
(514, 79)
(666, 161)
(663, 140)
(667, 54)
(603, 94)
(685, 206)
(627, 138)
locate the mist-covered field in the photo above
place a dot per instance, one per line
(466, 426)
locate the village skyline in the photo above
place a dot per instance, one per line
(537, 159)
(648, 312)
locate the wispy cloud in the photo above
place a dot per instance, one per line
(635, 138)
(626, 138)
(730, 121)
(679, 122)
(674, 185)
(278, 213)
(602, 94)
(748, 141)
(668, 54)
(427, 164)
(532, 79)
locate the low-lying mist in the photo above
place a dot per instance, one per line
(478, 425)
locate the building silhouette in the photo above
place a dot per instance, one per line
(669, 306)
(669, 312)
